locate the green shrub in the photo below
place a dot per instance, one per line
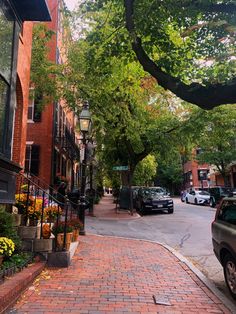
(7, 229)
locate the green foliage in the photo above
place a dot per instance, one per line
(217, 138)
(16, 260)
(145, 171)
(7, 229)
(193, 41)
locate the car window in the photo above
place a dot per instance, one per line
(203, 193)
(227, 212)
(158, 190)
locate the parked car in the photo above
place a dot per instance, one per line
(152, 199)
(197, 197)
(218, 193)
(224, 240)
(183, 195)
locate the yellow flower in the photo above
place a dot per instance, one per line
(7, 246)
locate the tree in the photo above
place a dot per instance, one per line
(188, 46)
(145, 171)
(217, 140)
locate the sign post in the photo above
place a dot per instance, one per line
(120, 168)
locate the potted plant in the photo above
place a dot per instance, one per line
(58, 230)
(52, 212)
(77, 225)
(7, 247)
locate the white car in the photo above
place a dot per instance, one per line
(197, 197)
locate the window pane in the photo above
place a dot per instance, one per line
(6, 40)
(3, 100)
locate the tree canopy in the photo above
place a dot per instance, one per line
(188, 46)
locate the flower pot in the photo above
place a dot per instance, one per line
(60, 240)
(75, 235)
(16, 219)
(27, 232)
(42, 245)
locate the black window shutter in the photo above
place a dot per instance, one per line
(35, 154)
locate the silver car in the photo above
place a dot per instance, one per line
(224, 240)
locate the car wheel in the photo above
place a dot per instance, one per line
(170, 210)
(212, 204)
(195, 201)
(230, 274)
(187, 200)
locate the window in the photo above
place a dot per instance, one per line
(227, 212)
(32, 159)
(6, 40)
(35, 107)
(202, 174)
(7, 25)
(3, 101)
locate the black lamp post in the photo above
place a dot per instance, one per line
(85, 126)
(201, 175)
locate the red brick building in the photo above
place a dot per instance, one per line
(196, 175)
(203, 175)
(16, 36)
(52, 146)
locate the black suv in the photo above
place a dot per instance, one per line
(224, 240)
(152, 199)
(218, 193)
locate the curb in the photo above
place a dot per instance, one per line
(129, 216)
(210, 285)
(13, 287)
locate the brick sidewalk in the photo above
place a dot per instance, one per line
(106, 209)
(114, 275)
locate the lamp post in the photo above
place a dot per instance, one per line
(85, 126)
(201, 175)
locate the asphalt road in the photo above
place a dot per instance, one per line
(188, 231)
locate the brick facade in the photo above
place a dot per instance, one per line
(22, 94)
(57, 123)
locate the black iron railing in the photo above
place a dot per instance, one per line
(41, 207)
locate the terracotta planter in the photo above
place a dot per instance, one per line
(75, 235)
(60, 240)
(27, 232)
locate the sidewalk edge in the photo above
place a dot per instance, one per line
(17, 284)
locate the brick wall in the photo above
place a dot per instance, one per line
(22, 93)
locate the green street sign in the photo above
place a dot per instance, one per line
(120, 168)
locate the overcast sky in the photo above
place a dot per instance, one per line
(71, 3)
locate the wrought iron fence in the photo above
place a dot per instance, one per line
(46, 209)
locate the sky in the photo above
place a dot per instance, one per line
(71, 3)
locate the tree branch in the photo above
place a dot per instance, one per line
(206, 97)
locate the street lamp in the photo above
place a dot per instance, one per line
(85, 126)
(201, 175)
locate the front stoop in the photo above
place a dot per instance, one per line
(12, 288)
(62, 259)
